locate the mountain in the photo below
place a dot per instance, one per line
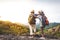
(48, 26)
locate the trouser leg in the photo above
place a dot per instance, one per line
(31, 29)
(42, 31)
(34, 28)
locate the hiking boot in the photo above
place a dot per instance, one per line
(42, 38)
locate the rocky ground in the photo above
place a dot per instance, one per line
(13, 37)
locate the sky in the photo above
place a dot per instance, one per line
(19, 10)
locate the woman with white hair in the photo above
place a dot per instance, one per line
(41, 16)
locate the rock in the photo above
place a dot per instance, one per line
(11, 37)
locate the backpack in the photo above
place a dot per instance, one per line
(45, 21)
(31, 19)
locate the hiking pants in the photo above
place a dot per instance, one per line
(32, 28)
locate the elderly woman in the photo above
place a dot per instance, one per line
(32, 23)
(41, 17)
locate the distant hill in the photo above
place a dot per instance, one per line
(50, 25)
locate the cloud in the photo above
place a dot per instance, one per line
(19, 10)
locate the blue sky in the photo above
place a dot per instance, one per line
(19, 10)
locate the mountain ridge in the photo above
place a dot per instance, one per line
(53, 24)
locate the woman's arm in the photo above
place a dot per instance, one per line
(35, 15)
